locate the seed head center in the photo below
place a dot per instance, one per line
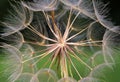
(62, 44)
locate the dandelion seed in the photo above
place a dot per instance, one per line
(22, 17)
(71, 2)
(100, 71)
(15, 39)
(38, 5)
(91, 79)
(26, 51)
(111, 46)
(45, 75)
(102, 14)
(83, 6)
(97, 59)
(10, 60)
(25, 77)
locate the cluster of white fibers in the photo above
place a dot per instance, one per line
(58, 41)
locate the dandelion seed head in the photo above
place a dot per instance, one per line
(58, 38)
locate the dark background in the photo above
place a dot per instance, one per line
(115, 10)
(4, 5)
(113, 4)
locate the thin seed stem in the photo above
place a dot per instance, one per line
(39, 34)
(46, 53)
(63, 64)
(83, 43)
(49, 25)
(55, 56)
(77, 34)
(57, 31)
(67, 27)
(75, 68)
(79, 59)
(40, 59)
(47, 62)
(74, 19)
(38, 43)
(70, 70)
(80, 51)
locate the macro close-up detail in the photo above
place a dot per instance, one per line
(59, 41)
